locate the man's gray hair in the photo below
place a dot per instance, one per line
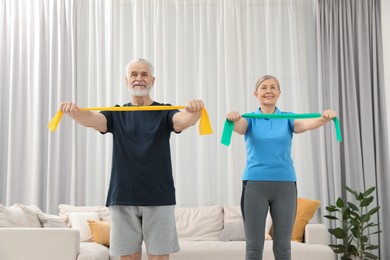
(144, 61)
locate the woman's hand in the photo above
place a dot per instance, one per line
(233, 116)
(329, 114)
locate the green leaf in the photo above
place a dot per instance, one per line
(368, 191)
(330, 217)
(373, 211)
(367, 201)
(372, 247)
(364, 218)
(337, 232)
(332, 209)
(337, 248)
(340, 203)
(351, 190)
(353, 206)
(369, 255)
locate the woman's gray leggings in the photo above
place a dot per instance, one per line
(280, 197)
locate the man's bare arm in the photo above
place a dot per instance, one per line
(85, 117)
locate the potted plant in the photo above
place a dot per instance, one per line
(353, 225)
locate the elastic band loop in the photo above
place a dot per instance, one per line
(229, 125)
(204, 123)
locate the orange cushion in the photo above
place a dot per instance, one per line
(100, 232)
(305, 211)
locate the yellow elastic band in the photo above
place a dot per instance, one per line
(204, 123)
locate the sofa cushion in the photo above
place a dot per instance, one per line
(100, 232)
(13, 216)
(305, 211)
(203, 223)
(233, 230)
(104, 212)
(51, 221)
(31, 212)
(78, 220)
(93, 251)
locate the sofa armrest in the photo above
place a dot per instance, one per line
(316, 234)
(39, 243)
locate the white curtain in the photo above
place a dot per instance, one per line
(76, 50)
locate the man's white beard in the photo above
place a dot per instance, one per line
(140, 92)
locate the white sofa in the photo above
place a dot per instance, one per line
(199, 231)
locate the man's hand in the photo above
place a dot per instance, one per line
(194, 106)
(70, 109)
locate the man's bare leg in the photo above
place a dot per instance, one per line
(158, 257)
(135, 256)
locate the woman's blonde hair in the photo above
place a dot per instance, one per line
(265, 77)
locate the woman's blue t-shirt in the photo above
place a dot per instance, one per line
(268, 146)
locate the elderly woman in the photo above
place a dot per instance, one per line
(269, 180)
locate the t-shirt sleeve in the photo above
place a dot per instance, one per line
(108, 115)
(171, 113)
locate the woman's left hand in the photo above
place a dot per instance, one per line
(329, 114)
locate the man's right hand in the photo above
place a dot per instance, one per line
(70, 109)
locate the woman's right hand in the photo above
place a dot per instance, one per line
(233, 116)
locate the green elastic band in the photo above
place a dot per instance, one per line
(229, 125)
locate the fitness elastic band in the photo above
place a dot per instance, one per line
(204, 122)
(229, 125)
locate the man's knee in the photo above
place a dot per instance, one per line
(135, 256)
(158, 257)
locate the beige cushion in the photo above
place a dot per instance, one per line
(233, 224)
(12, 217)
(79, 220)
(31, 212)
(204, 223)
(51, 221)
(104, 212)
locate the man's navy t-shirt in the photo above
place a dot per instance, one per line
(141, 172)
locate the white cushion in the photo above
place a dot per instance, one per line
(51, 221)
(104, 212)
(78, 220)
(203, 223)
(31, 212)
(12, 217)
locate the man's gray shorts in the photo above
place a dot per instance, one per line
(155, 225)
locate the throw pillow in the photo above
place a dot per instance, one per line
(12, 217)
(199, 223)
(232, 230)
(78, 220)
(104, 212)
(100, 231)
(51, 221)
(31, 212)
(305, 211)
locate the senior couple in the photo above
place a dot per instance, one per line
(141, 195)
